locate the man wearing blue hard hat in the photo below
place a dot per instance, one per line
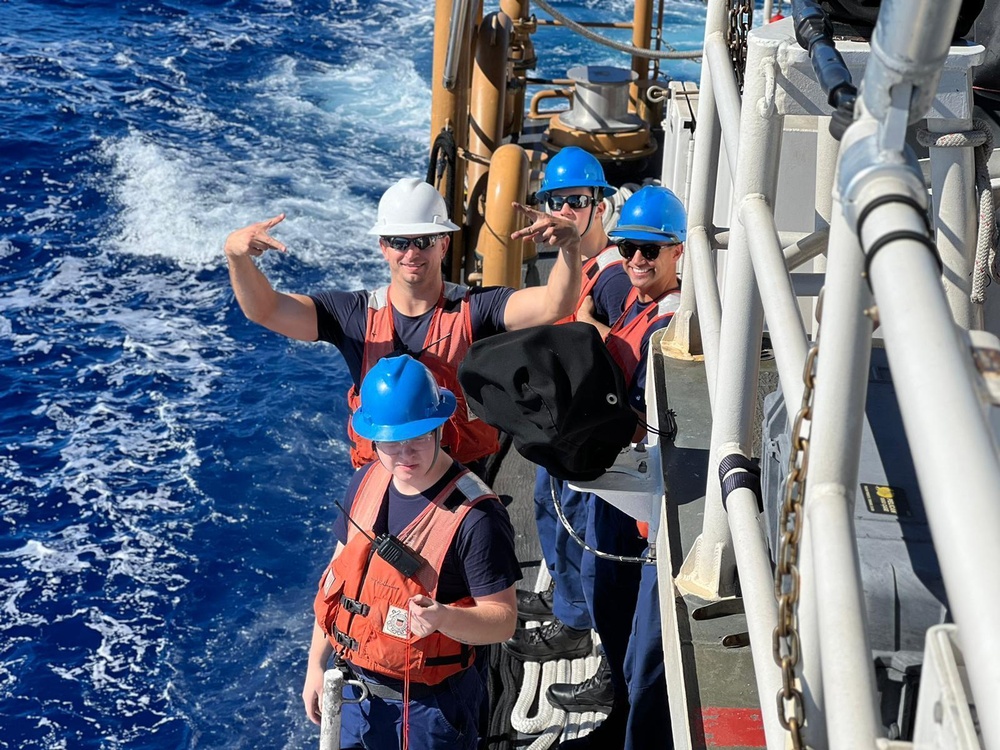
(622, 597)
(423, 573)
(574, 186)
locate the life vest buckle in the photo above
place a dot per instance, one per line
(345, 640)
(354, 606)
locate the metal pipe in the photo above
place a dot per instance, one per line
(954, 450)
(761, 609)
(710, 565)
(852, 718)
(450, 113)
(781, 309)
(701, 206)
(908, 47)
(810, 668)
(803, 250)
(333, 700)
(720, 240)
(701, 261)
(456, 37)
(953, 191)
(727, 92)
(827, 153)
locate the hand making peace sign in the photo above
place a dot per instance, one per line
(254, 239)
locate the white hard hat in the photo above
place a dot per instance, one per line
(412, 206)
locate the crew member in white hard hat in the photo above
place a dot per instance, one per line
(417, 312)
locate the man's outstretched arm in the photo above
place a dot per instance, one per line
(557, 299)
(292, 315)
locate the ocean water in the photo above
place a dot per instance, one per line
(167, 468)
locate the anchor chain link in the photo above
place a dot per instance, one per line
(791, 712)
(740, 20)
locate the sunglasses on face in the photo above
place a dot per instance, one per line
(649, 250)
(398, 446)
(400, 244)
(576, 202)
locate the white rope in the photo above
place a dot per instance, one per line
(580, 724)
(980, 139)
(548, 721)
(537, 678)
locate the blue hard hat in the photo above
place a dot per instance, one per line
(571, 168)
(653, 214)
(400, 400)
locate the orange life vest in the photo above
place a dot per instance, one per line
(362, 602)
(466, 438)
(592, 270)
(624, 340)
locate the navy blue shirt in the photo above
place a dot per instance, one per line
(481, 560)
(609, 293)
(343, 316)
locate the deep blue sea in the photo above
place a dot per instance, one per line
(167, 468)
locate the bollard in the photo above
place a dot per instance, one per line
(333, 700)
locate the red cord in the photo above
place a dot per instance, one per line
(406, 698)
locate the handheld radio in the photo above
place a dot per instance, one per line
(390, 549)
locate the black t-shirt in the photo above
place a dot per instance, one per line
(343, 316)
(481, 560)
(610, 292)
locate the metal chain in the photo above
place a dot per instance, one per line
(740, 21)
(791, 711)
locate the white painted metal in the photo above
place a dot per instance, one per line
(806, 249)
(954, 450)
(953, 184)
(950, 435)
(704, 174)
(710, 566)
(909, 47)
(834, 444)
(781, 310)
(944, 721)
(727, 94)
(759, 604)
(810, 669)
(333, 691)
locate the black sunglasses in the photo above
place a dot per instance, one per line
(650, 250)
(400, 244)
(576, 202)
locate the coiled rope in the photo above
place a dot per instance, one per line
(549, 722)
(628, 48)
(981, 140)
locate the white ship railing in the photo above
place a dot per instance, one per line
(922, 313)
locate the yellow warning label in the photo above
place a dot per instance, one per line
(885, 500)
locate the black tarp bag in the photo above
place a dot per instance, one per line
(557, 392)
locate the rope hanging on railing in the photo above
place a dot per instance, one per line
(981, 139)
(628, 48)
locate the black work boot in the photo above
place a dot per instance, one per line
(535, 605)
(554, 640)
(596, 693)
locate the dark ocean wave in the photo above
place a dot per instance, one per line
(167, 469)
